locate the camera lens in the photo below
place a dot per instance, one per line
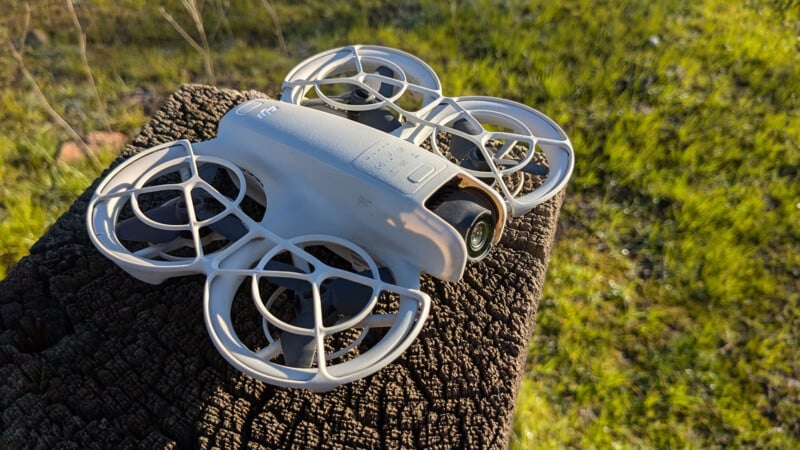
(479, 236)
(465, 211)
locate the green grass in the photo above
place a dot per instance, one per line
(670, 316)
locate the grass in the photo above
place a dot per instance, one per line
(670, 316)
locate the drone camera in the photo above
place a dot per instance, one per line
(473, 215)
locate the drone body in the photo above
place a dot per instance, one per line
(320, 211)
(356, 183)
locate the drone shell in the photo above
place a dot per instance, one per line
(348, 180)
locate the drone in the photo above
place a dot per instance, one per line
(314, 216)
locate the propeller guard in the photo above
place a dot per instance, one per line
(433, 113)
(337, 361)
(357, 66)
(244, 259)
(520, 127)
(144, 174)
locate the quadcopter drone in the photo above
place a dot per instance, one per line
(313, 217)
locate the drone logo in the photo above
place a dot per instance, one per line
(267, 111)
(313, 228)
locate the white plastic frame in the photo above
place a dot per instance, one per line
(400, 233)
(227, 268)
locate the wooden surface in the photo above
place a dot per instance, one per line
(92, 358)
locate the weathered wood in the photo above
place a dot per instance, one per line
(91, 358)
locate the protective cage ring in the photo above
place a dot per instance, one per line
(522, 124)
(413, 76)
(330, 369)
(138, 176)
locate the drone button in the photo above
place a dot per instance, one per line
(422, 172)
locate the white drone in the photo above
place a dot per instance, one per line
(313, 217)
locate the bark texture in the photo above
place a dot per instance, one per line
(92, 358)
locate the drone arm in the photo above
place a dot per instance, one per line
(418, 130)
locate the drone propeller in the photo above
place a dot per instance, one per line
(471, 158)
(385, 89)
(208, 172)
(379, 118)
(477, 163)
(299, 349)
(338, 295)
(175, 212)
(134, 229)
(460, 147)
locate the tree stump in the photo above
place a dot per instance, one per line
(92, 358)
